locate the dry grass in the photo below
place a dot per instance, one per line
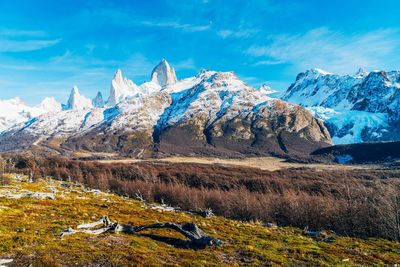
(263, 163)
(361, 203)
(30, 229)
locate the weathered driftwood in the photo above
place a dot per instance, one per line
(190, 230)
(3, 262)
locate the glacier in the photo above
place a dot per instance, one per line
(364, 107)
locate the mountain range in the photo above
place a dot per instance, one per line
(364, 107)
(213, 113)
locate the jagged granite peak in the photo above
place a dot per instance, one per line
(98, 101)
(361, 73)
(356, 108)
(265, 89)
(163, 74)
(76, 101)
(121, 88)
(212, 113)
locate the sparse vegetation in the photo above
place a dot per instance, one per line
(30, 234)
(361, 203)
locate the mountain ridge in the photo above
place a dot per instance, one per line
(356, 108)
(210, 113)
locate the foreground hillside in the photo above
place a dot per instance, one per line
(30, 229)
(359, 202)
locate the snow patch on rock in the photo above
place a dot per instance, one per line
(77, 101)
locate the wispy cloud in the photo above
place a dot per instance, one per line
(176, 25)
(241, 33)
(122, 18)
(23, 33)
(331, 50)
(268, 62)
(25, 46)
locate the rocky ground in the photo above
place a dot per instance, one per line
(34, 214)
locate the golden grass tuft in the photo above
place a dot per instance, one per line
(30, 234)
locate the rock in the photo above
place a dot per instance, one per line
(77, 101)
(163, 74)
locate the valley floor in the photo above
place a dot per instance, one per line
(31, 224)
(263, 163)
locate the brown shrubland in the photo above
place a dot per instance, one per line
(363, 203)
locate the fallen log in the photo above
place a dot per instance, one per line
(198, 238)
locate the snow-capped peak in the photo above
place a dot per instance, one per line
(118, 76)
(361, 73)
(50, 104)
(15, 101)
(14, 111)
(77, 101)
(163, 74)
(265, 89)
(321, 71)
(121, 88)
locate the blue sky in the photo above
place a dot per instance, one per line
(48, 46)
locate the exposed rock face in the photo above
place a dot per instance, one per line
(77, 101)
(213, 113)
(222, 115)
(120, 89)
(265, 89)
(359, 108)
(163, 74)
(98, 101)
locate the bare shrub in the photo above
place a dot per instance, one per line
(364, 203)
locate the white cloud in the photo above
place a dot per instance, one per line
(15, 40)
(268, 62)
(176, 25)
(331, 50)
(122, 18)
(19, 33)
(25, 46)
(241, 33)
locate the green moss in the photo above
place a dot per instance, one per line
(30, 233)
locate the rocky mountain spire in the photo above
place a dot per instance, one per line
(163, 74)
(265, 89)
(120, 88)
(98, 101)
(361, 73)
(77, 101)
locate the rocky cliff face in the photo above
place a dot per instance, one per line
(213, 113)
(98, 101)
(163, 74)
(359, 108)
(120, 89)
(76, 101)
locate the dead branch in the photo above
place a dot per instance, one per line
(197, 237)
